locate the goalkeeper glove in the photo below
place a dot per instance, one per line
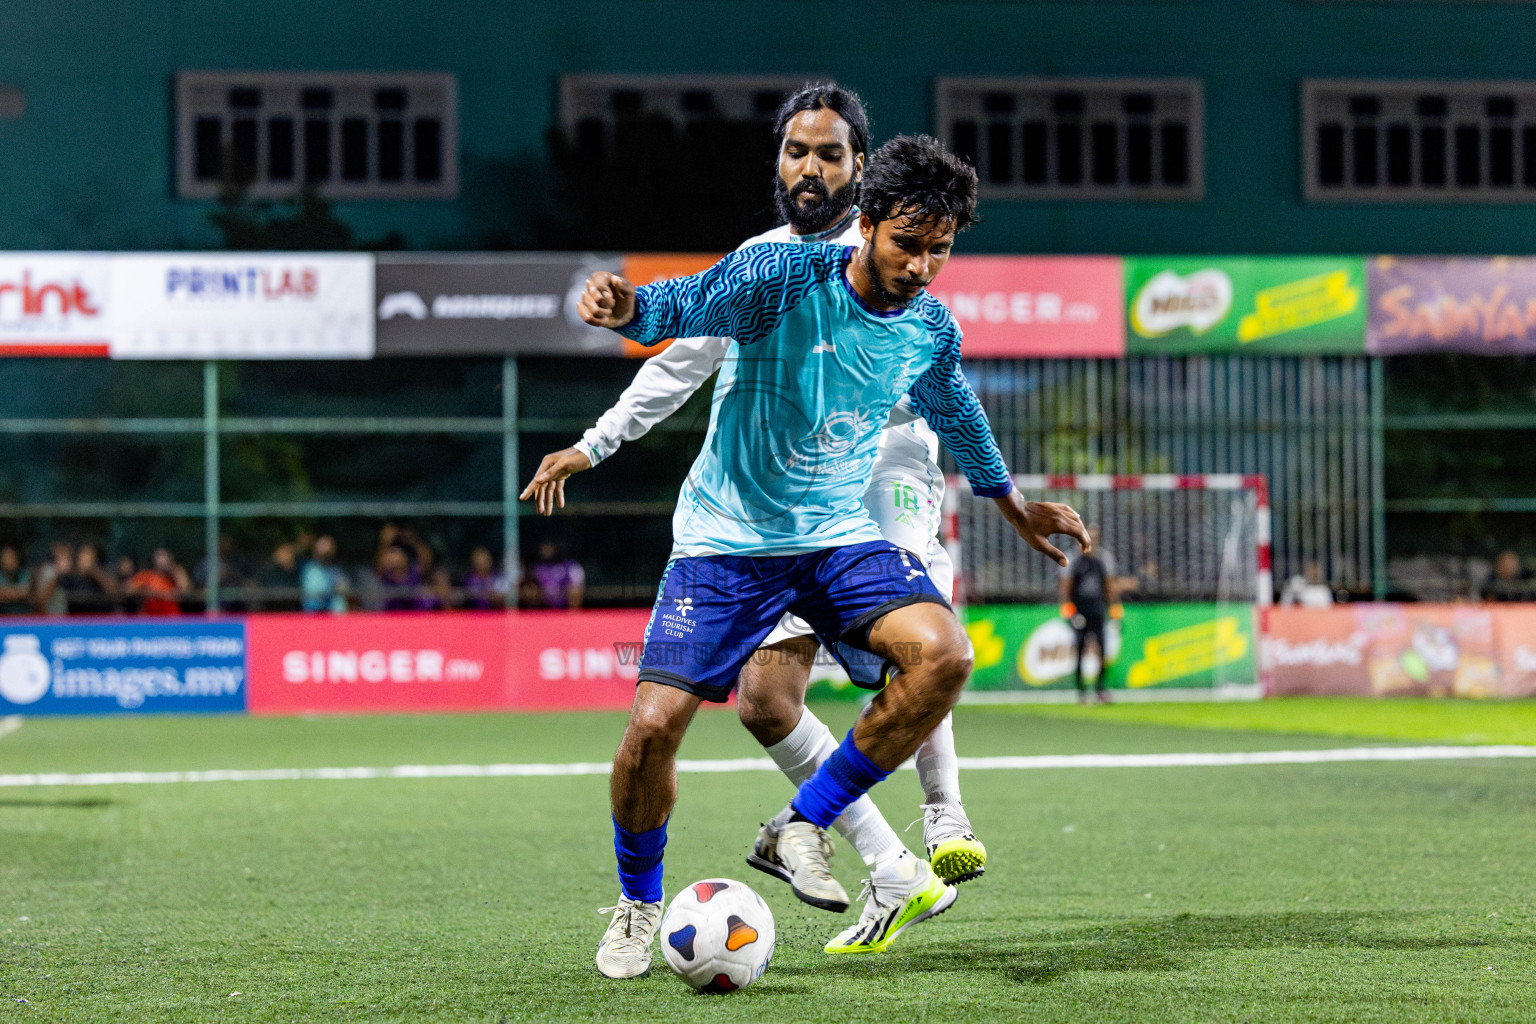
(1068, 610)
(1117, 611)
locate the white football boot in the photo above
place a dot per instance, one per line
(805, 852)
(625, 951)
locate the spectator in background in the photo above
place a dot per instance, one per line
(438, 594)
(324, 586)
(278, 581)
(528, 595)
(484, 587)
(398, 577)
(561, 581)
(1307, 588)
(15, 583)
(1510, 582)
(233, 572)
(89, 589)
(405, 568)
(122, 572)
(48, 597)
(159, 587)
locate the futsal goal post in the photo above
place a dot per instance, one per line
(1188, 548)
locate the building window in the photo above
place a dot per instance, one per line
(1078, 138)
(1419, 141)
(351, 136)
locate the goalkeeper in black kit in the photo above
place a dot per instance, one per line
(1090, 594)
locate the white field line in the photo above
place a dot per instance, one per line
(9, 724)
(763, 764)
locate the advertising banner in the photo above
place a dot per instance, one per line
(570, 660)
(1417, 650)
(1020, 306)
(378, 662)
(110, 666)
(1168, 646)
(1181, 305)
(1484, 306)
(242, 306)
(488, 304)
(54, 303)
(647, 268)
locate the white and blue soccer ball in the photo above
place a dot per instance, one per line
(718, 935)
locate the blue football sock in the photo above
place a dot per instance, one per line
(841, 779)
(640, 861)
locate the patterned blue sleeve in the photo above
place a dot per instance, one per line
(944, 398)
(744, 296)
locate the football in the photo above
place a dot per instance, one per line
(718, 935)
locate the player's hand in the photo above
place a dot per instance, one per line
(547, 488)
(607, 300)
(1036, 521)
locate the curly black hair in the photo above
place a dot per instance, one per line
(845, 103)
(915, 176)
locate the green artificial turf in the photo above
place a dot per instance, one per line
(1405, 720)
(1341, 892)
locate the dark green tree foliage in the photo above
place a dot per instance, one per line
(304, 222)
(648, 184)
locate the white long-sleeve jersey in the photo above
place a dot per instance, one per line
(906, 490)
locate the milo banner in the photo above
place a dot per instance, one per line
(1182, 305)
(1156, 646)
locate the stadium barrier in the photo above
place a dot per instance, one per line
(207, 305)
(552, 660)
(1404, 650)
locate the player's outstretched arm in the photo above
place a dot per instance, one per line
(944, 398)
(743, 296)
(547, 488)
(665, 382)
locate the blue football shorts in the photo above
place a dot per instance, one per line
(712, 612)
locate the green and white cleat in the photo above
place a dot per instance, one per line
(805, 853)
(953, 849)
(894, 906)
(625, 951)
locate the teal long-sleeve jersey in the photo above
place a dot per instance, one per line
(801, 399)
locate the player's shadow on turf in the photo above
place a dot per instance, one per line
(89, 803)
(1150, 944)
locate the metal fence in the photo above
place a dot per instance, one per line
(1303, 423)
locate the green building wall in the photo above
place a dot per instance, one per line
(88, 165)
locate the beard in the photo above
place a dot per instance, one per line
(887, 296)
(820, 213)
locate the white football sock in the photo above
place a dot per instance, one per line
(799, 754)
(938, 766)
(900, 867)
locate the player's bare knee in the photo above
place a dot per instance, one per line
(652, 729)
(768, 717)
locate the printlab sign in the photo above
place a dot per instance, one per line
(96, 668)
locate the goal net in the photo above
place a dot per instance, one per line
(1192, 553)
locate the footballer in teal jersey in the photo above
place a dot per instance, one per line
(771, 519)
(798, 411)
